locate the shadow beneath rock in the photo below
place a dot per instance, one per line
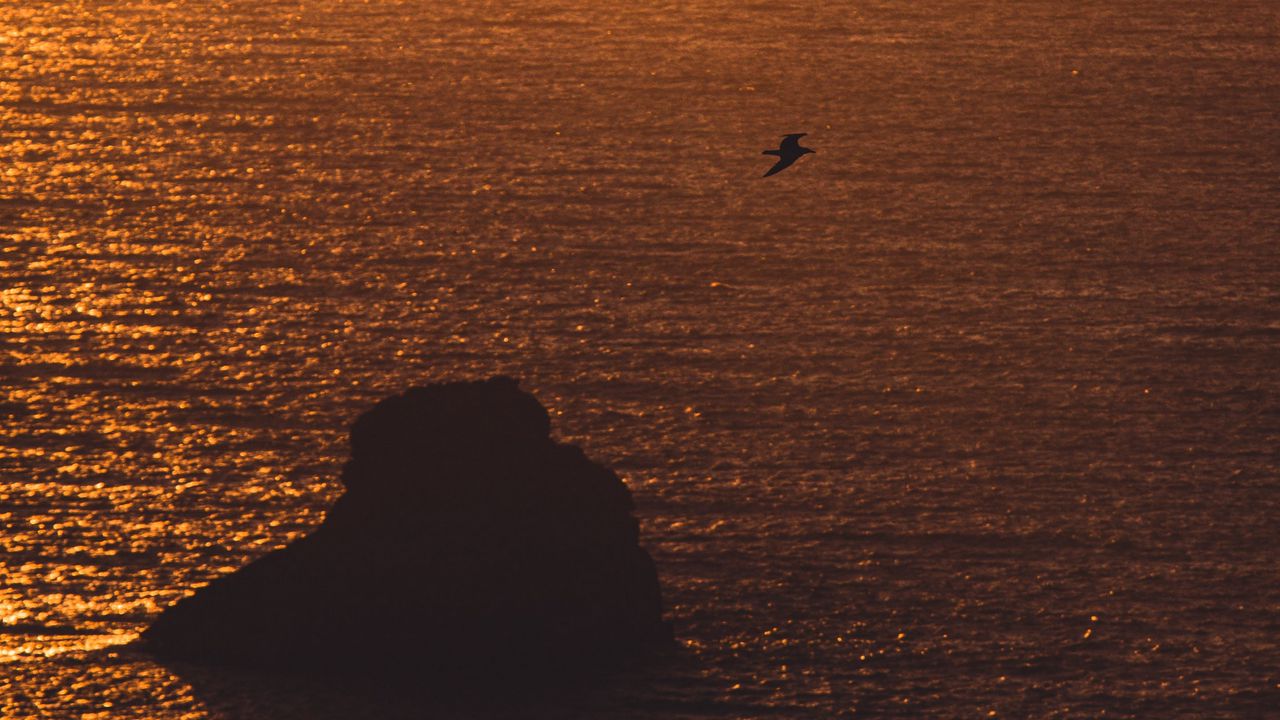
(672, 686)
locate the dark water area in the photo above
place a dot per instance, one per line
(974, 413)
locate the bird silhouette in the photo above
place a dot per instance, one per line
(788, 151)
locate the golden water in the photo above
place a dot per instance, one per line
(972, 412)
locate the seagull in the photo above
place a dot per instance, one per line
(788, 151)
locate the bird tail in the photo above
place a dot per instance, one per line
(772, 152)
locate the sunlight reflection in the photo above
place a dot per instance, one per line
(53, 645)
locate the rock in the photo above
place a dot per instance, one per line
(468, 544)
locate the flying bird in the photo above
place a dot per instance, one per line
(788, 151)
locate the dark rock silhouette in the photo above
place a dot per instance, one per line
(468, 545)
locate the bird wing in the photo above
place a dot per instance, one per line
(792, 141)
(781, 165)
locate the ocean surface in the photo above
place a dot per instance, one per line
(973, 413)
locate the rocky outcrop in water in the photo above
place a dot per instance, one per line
(467, 544)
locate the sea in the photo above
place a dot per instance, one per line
(975, 412)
